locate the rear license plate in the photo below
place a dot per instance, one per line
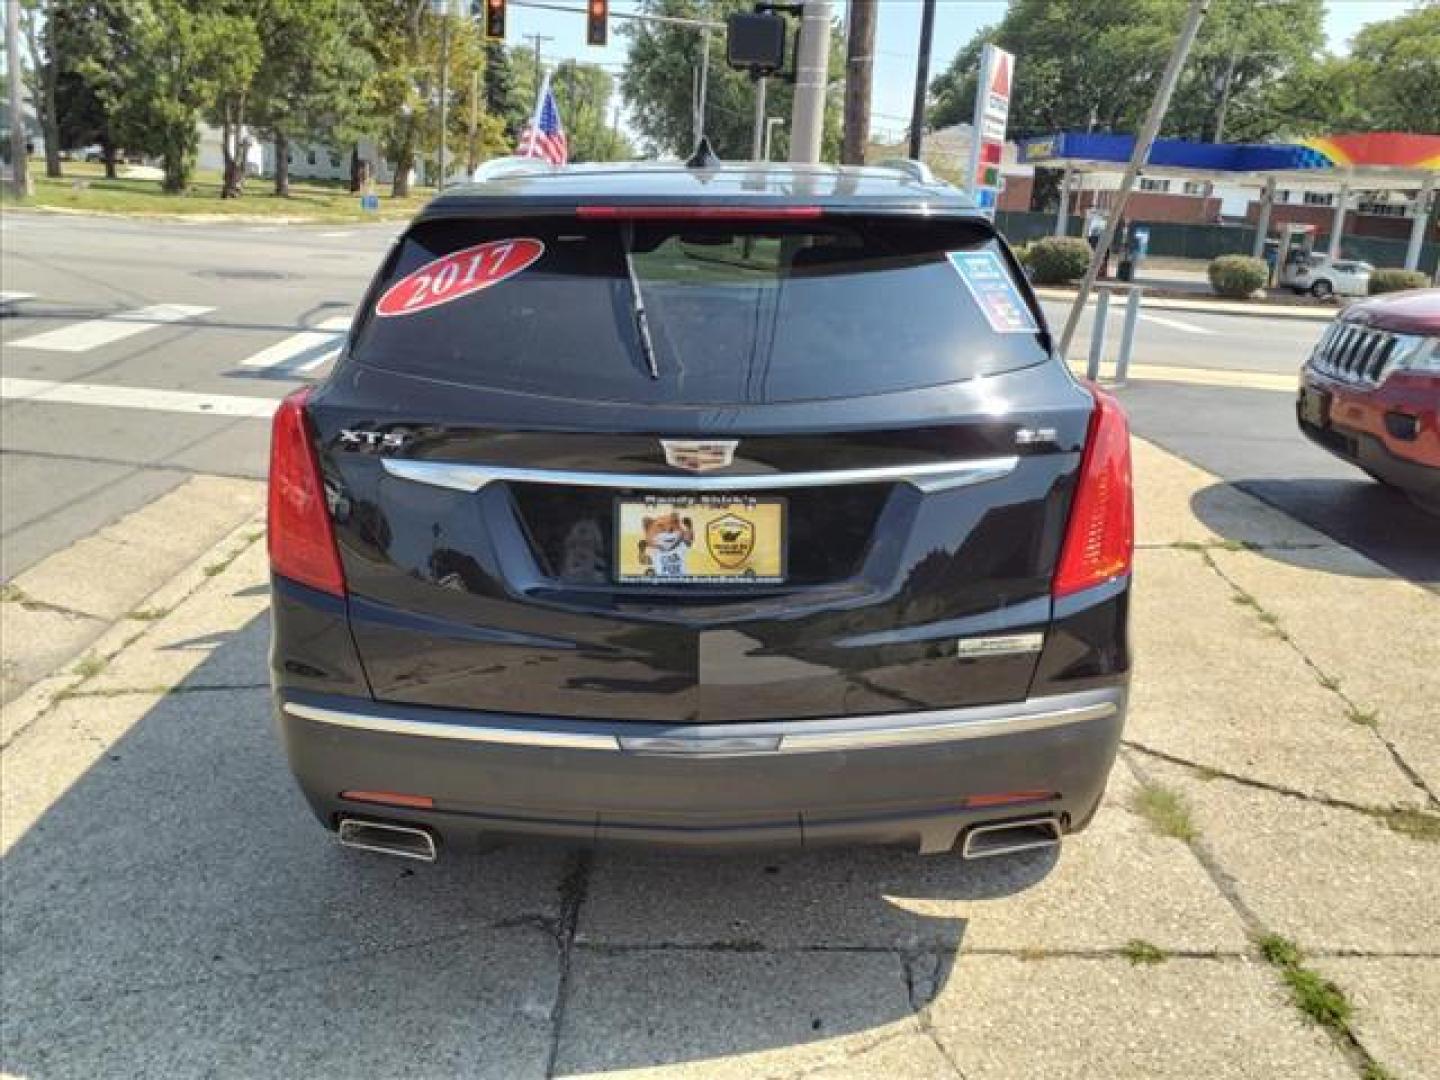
(1315, 407)
(700, 540)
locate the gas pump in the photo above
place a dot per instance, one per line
(1297, 245)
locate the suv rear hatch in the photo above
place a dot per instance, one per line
(506, 455)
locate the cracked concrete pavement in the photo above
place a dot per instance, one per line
(171, 909)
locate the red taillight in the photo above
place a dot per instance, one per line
(697, 213)
(302, 542)
(1100, 539)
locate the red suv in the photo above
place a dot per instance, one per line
(1370, 392)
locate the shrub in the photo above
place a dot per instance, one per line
(1054, 260)
(1237, 276)
(1390, 280)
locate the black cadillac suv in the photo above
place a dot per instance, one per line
(715, 505)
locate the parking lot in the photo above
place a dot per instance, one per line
(1256, 898)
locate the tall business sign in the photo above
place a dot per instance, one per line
(992, 109)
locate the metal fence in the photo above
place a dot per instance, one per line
(1208, 241)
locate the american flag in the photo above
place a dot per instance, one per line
(544, 137)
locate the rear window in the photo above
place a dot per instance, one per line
(737, 311)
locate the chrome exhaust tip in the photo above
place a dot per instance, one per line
(1009, 837)
(404, 841)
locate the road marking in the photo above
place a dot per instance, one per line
(264, 228)
(14, 297)
(81, 337)
(136, 397)
(335, 235)
(305, 350)
(1177, 324)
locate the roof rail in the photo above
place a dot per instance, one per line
(498, 168)
(916, 170)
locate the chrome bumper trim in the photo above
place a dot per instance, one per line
(931, 476)
(507, 736)
(857, 733)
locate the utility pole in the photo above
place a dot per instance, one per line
(704, 85)
(19, 166)
(859, 70)
(1151, 128)
(812, 70)
(472, 159)
(538, 38)
(757, 130)
(444, 70)
(922, 80)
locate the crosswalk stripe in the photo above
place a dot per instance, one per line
(136, 397)
(81, 337)
(305, 350)
(14, 297)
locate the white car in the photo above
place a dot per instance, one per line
(1318, 276)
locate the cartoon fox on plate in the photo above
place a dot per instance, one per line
(666, 543)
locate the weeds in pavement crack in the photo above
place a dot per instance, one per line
(1139, 951)
(573, 889)
(1328, 680)
(1165, 810)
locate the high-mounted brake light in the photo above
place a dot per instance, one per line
(697, 213)
(1100, 538)
(301, 539)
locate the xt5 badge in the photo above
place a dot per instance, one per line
(373, 440)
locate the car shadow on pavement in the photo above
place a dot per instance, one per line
(1378, 522)
(177, 911)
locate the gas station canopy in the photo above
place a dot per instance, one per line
(1377, 159)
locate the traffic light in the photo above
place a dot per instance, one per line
(494, 20)
(597, 18)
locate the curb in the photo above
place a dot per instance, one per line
(1215, 307)
(38, 698)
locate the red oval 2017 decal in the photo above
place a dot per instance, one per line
(459, 274)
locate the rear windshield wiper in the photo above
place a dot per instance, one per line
(637, 303)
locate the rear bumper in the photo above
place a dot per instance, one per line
(915, 778)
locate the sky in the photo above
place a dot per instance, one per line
(897, 38)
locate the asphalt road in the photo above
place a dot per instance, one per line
(216, 320)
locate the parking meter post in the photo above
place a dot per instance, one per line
(1097, 333)
(1127, 333)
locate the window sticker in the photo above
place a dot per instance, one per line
(994, 290)
(458, 274)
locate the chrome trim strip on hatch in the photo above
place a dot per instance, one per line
(721, 740)
(507, 736)
(927, 477)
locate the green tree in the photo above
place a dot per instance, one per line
(1234, 80)
(1080, 64)
(154, 79)
(228, 38)
(657, 83)
(583, 92)
(43, 76)
(84, 32)
(396, 41)
(501, 99)
(312, 74)
(1396, 65)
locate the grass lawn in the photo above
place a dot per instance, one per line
(84, 187)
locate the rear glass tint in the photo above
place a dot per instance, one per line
(738, 312)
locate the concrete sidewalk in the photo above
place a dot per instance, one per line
(1257, 897)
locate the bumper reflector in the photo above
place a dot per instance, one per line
(390, 798)
(1008, 797)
